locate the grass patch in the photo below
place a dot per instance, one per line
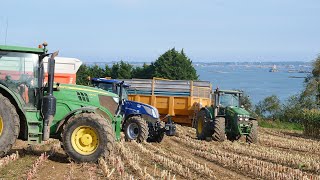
(280, 125)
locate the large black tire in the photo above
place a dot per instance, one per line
(93, 125)
(9, 125)
(203, 126)
(136, 129)
(253, 136)
(219, 132)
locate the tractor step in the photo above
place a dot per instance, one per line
(34, 132)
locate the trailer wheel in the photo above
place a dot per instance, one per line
(219, 129)
(136, 129)
(88, 136)
(203, 127)
(253, 136)
(9, 125)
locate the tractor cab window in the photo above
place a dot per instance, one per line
(19, 72)
(125, 93)
(229, 100)
(104, 86)
(110, 88)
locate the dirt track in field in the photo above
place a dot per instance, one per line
(278, 155)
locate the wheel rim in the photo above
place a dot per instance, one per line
(1, 125)
(200, 125)
(133, 131)
(84, 140)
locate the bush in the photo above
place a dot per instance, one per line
(311, 122)
(280, 125)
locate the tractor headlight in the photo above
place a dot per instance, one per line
(246, 119)
(155, 113)
(240, 119)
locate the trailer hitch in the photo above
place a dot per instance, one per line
(170, 127)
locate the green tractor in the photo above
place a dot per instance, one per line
(226, 118)
(86, 120)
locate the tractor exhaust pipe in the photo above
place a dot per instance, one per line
(49, 101)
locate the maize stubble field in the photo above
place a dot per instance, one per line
(279, 154)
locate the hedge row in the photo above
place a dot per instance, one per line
(311, 122)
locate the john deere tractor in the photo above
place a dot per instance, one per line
(86, 120)
(226, 118)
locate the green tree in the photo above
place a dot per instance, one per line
(308, 96)
(121, 70)
(174, 65)
(83, 74)
(270, 107)
(96, 71)
(246, 102)
(144, 72)
(292, 110)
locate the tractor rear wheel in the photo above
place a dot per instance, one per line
(253, 136)
(136, 129)
(88, 136)
(219, 133)
(9, 125)
(203, 128)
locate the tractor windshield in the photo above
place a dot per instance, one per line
(229, 100)
(19, 72)
(111, 88)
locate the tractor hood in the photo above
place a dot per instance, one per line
(84, 96)
(238, 111)
(141, 108)
(86, 89)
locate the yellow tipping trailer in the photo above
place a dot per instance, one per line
(180, 99)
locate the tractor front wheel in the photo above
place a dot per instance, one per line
(219, 133)
(136, 129)
(203, 128)
(88, 136)
(9, 125)
(252, 137)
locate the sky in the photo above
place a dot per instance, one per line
(142, 30)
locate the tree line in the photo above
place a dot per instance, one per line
(170, 65)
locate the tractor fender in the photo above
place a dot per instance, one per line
(13, 98)
(71, 113)
(18, 104)
(208, 114)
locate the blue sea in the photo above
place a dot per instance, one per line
(255, 79)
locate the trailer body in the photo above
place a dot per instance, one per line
(181, 99)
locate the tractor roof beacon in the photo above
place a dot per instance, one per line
(136, 114)
(86, 120)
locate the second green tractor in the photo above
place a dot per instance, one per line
(226, 119)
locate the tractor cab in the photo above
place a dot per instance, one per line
(224, 99)
(111, 85)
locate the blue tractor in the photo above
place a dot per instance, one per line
(141, 121)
